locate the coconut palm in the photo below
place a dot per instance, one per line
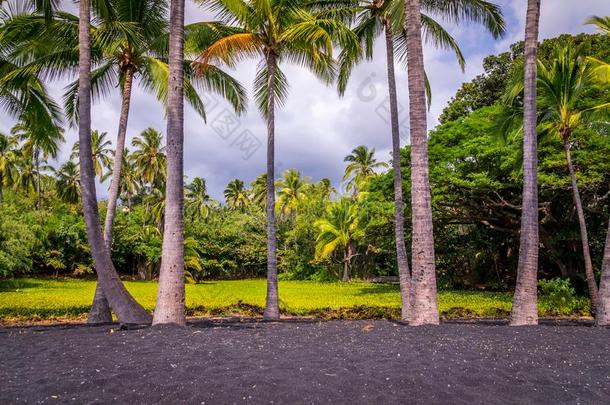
(149, 156)
(362, 165)
(67, 182)
(602, 67)
(561, 86)
(387, 16)
(130, 179)
(339, 231)
(292, 189)
(9, 158)
(236, 195)
(259, 190)
(525, 309)
(324, 189)
(276, 31)
(119, 299)
(38, 145)
(100, 152)
(197, 200)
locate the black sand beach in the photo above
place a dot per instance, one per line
(234, 361)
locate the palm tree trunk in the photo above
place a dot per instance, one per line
(424, 301)
(584, 236)
(123, 304)
(272, 311)
(404, 275)
(170, 297)
(38, 186)
(525, 310)
(603, 300)
(1, 188)
(100, 310)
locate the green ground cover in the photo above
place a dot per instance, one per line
(32, 300)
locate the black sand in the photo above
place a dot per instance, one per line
(306, 362)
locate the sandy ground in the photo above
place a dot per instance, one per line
(296, 362)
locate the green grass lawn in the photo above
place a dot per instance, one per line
(28, 299)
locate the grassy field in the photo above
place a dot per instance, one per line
(32, 300)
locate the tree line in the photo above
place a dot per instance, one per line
(133, 42)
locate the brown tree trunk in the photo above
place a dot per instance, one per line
(100, 310)
(347, 262)
(38, 185)
(122, 303)
(602, 314)
(584, 236)
(272, 311)
(424, 301)
(404, 275)
(170, 297)
(525, 310)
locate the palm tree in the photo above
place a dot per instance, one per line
(8, 162)
(67, 183)
(100, 152)
(387, 17)
(276, 31)
(130, 179)
(423, 299)
(291, 188)
(525, 309)
(362, 165)
(149, 156)
(259, 190)
(170, 297)
(603, 25)
(39, 144)
(339, 231)
(197, 200)
(236, 195)
(123, 304)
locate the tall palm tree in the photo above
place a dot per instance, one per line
(197, 200)
(276, 31)
(149, 156)
(236, 195)
(39, 144)
(131, 181)
(121, 302)
(291, 189)
(67, 182)
(362, 165)
(8, 162)
(340, 229)
(424, 301)
(100, 152)
(525, 309)
(170, 297)
(387, 17)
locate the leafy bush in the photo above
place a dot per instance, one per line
(558, 297)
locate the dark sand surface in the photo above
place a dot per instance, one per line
(295, 362)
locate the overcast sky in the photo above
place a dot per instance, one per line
(316, 128)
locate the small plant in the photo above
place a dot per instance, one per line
(558, 297)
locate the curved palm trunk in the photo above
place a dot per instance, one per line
(123, 304)
(584, 236)
(100, 310)
(424, 302)
(525, 310)
(272, 311)
(170, 297)
(404, 275)
(602, 314)
(347, 262)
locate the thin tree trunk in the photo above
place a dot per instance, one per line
(591, 283)
(404, 275)
(272, 311)
(170, 298)
(1, 188)
(525, 311)
(38, 187)
(347, 258)
(100, 310)
(603, 300)
(123, 304)
(424, 301)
